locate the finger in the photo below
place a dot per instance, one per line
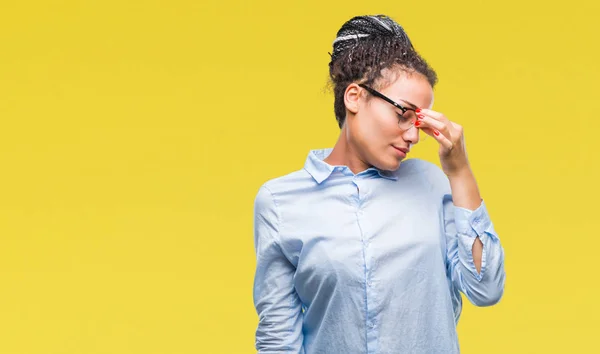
(441, 138)
(428, 122)
(457, 128)
(427, 131)
(431, 113)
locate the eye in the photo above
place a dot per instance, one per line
(404, 117)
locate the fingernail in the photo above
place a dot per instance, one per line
(418, 110)
(417, 123)
(436, 132)
(420, 116)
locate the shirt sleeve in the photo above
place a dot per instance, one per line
(277, 304)
(462, 228)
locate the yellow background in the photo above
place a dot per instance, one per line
(134, 136)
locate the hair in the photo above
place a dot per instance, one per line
(365, 46)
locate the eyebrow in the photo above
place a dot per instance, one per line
(413, 106)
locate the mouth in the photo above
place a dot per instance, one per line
(401, 151)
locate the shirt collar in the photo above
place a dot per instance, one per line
(321, 170)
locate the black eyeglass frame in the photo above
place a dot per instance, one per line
(387, 99)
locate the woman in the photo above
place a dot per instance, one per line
(362, 251)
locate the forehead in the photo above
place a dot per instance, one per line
(409, 87)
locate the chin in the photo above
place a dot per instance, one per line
(391, 164)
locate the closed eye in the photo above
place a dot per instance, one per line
(402, 118)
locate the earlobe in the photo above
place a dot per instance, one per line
(351, 97)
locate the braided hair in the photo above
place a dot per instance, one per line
(363, 48)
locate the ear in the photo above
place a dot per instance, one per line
(352, 97)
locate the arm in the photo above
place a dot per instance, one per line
(277, 304)
(465, 194)
(475, 255)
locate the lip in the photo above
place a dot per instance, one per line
(402, 151)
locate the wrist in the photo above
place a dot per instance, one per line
(465, 192)
(460, 173)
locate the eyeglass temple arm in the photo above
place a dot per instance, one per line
(373, 92)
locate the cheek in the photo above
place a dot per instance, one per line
(376, 129)
(384, 125)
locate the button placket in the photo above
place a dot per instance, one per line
(371, 294)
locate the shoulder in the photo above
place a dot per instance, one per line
(417, 165)
(269, 191)
(425, 170)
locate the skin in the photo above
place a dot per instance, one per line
(370, 136)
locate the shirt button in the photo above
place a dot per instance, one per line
(369, 283)
(371, 324)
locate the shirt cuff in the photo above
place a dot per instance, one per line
(474, 223)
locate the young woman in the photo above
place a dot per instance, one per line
(363, 250)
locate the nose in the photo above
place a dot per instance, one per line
(411, 135)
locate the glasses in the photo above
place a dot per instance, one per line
(407, 119)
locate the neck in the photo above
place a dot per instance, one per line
(345, 154)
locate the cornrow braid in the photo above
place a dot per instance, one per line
(363, 48)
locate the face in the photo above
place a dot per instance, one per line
(372, 124)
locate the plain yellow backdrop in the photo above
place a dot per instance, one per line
(134, 136)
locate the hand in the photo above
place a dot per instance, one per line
(453, 155)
